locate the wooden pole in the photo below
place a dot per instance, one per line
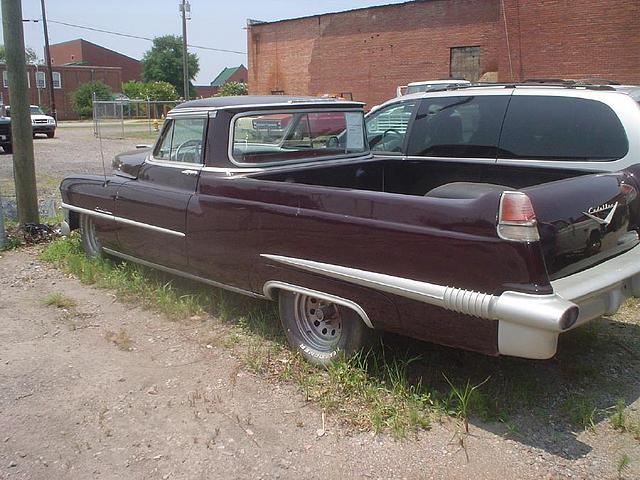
(24, 172)
(3, 234)
(185, 55)
(47, 59)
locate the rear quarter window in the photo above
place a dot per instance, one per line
(460, 126)
(562, 128)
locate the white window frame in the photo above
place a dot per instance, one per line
(5, 79)
(41, 76)
(57, 76)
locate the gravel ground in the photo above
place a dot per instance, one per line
(74, 149)
(74, 406)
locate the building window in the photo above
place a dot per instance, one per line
(5, 79)
(277, 92)
(40, 80)
(57, 80)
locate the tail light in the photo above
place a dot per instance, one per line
(516, 218)
(629, 192)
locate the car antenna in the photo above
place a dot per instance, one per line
(99, 133)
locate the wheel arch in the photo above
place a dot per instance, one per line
(272, 287)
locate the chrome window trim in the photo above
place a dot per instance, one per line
(306, 103)
(109, 216)
(232, 128)
(276, 284)
(180, 273)
(170, 163)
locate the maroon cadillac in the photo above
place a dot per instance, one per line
(407, 223)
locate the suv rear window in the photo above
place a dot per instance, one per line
(466, 126)
(562, 128)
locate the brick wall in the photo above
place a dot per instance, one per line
(563, 39)
(369, 52)
(71, 78)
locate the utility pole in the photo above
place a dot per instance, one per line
(47, 59)
(185, 10)
(24, 172)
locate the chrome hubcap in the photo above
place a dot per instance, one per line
(91, 238)
(318, 321)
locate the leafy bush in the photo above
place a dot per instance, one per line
(154, 91)
(232, 88)
(82, 97)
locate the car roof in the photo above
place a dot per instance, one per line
(508, 88)
(242, 101)
(440, 82)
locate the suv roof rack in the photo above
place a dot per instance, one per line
(537, 83)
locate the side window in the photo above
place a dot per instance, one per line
(162, 150)
(181, 140)
(562, 128)
(387, 127)
(464, 127)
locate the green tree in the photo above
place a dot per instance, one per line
(232, 88)
(164, 63)
(82, 97)
(155, 91)
(30, 55)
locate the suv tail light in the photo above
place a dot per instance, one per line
(516, 218)
(629, 192)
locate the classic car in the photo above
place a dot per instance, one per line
(5, 134)
(450, 250)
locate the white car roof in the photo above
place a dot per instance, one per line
(438, 82)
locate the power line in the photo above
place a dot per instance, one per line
(139, 37)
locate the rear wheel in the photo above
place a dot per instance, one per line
(320, 330)
(90, 241)
(7, 147)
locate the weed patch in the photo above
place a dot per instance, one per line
(60, 300)
(120, 339)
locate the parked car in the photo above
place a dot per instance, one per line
(450, 235)
(5, 134)
(40, 122)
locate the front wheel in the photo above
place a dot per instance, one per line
(320, 330)
(90, 241)
(51, 134)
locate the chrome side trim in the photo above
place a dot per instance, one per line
(274, 284)
(180, 273)
(544, 312)
(123, 220)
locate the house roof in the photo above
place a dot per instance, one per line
(224, 75)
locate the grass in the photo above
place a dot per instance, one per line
(60, 300)
(623, 465)
(403, 386)
(121, 339)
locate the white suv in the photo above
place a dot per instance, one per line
(40, 123)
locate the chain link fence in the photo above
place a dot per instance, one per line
(124, 118)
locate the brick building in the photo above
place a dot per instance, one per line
(228, 74)
(82, 52)
(369, 52)
(66, 78)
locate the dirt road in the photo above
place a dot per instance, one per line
(75, 406)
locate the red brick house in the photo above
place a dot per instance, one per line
(82, 52)
(66, 78)
(368, 52)
(229, 74)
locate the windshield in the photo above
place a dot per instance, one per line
(36, 110)
(282, 137)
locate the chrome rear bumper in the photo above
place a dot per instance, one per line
(598, 291)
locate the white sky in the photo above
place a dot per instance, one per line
(214, 23)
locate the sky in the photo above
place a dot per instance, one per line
(214, 23)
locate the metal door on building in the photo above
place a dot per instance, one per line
(465, 63)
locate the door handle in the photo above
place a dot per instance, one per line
(190, 172)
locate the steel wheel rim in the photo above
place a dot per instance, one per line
(319, 322)
(92, 239)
